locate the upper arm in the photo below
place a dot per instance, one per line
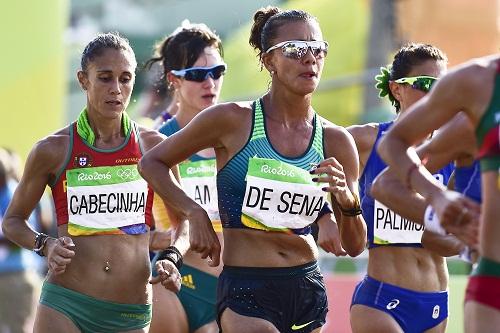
(343, 149)
(42, 164)
(452, 141)
(209, 129)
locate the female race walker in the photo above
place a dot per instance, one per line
(267, 199)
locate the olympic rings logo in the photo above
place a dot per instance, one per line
(126, 174)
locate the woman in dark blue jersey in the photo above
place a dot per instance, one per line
(405, 286)
(267, 199)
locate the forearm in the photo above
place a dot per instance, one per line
(180, 237)
(408, 167)
(19, 232)
(353, 234)
(162, 179)
(390, 191)
(445, 246)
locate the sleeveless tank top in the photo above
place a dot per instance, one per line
(468, 181)
(100, 191)
(488, 130)
(385, 227)
(198, 179)
(282, 193)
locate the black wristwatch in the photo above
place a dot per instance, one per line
(171, 254)
(40, 241)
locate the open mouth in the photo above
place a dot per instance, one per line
(114, 103)
(208, 96)
(309, 75)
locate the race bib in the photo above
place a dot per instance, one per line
(280, 196)
(391, 228)
(106, 200)
(198, 180)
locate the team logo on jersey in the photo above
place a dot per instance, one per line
(83, 160)
(392, 304)
(435, 312)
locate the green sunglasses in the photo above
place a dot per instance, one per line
(422, 83)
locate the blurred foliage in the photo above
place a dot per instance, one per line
(344, 25)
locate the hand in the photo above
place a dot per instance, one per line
(202, 237)
(458, 215)
(328, 235)
(168, 275)
(331, 171)
(59, 254)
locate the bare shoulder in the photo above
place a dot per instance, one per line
(364, 135)
(149, 137)
(231, 111)
(337, 138)
(50, 152)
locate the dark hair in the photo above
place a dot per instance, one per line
(267, 21)
(407, 57)
(102, 42)
(182, 48)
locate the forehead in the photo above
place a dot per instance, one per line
(299, 30)
(210, 56)
(429, 67)
(114, 60)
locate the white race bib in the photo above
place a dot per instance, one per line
(103, 199)
(199, 181)
(391, 228)
(280, 196)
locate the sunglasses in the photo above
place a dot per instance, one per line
(296, 49)
(422, 83)
(200, 74)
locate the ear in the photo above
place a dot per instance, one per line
(268, 62)
(173, 81)
(396, 90)
(82, 79)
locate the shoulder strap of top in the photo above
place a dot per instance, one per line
(258, 130)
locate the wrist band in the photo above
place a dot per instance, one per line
(432, 223)
(355, 211)
(326, 209)
(171, 254)
(40, 241)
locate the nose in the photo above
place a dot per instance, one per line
(209, 81)
(114, 88)
(309, 57)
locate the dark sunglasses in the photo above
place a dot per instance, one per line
(422, 83)
(298, 48)
(200, 74)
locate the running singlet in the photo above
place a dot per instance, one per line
(198, 178)
(488, 131)
(468, 181)
(100, 191)
(384, 226)
(261, 189)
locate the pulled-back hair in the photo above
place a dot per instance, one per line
(182, 48)
(408, 57)
(267, 21)
(102, 42)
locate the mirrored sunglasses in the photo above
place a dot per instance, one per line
(298, 48)
(200, 74)
(422, 83)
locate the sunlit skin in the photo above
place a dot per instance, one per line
(226, 127)
(407, 267)
(78, 263)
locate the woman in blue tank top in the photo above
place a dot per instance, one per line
(191, 60)
(474, 89)
(267, 199)
(405, 286)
